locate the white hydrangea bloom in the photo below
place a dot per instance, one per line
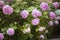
(56, 22)
(42, 28)
(46, 31)
(27, 30)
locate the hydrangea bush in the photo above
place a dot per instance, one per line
(27, 20)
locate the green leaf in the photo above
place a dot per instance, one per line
(30, 35)
(4, 30)
(13, 26)
(31, 8)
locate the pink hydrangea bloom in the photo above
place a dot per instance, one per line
(1, 36)
(52, 15)
(7, 10)
(42, 36)
(50, 23)
(56, 5)
(2, 4)
(10, 31)
(44, 6)
(35, 21)
(36, 13)
(24, 14)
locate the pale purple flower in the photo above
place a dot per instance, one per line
(10, 31)
(24, 14)
(56, 22)
(35, 21)
(1, 36)
(8, 10)
(56, 5)
(50, 23)
(42, 36)
(36, 13)
(52, 15)
(57, 18)
(42, 28)
(2, 4)
(44, 6)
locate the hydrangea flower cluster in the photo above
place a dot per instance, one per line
(50, 23)
(28, 30)
(2, 4)
(42, 29)
(24, 14)
(35, 21)
(1, 36)
(36, 13)
(56, 5)
(56, 22)
(7, 10)
(44, 6)
(42, 37)
(10, 31)
(52, 15)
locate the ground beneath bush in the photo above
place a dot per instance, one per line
(55, 39)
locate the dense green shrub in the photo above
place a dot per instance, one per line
(18, 23)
